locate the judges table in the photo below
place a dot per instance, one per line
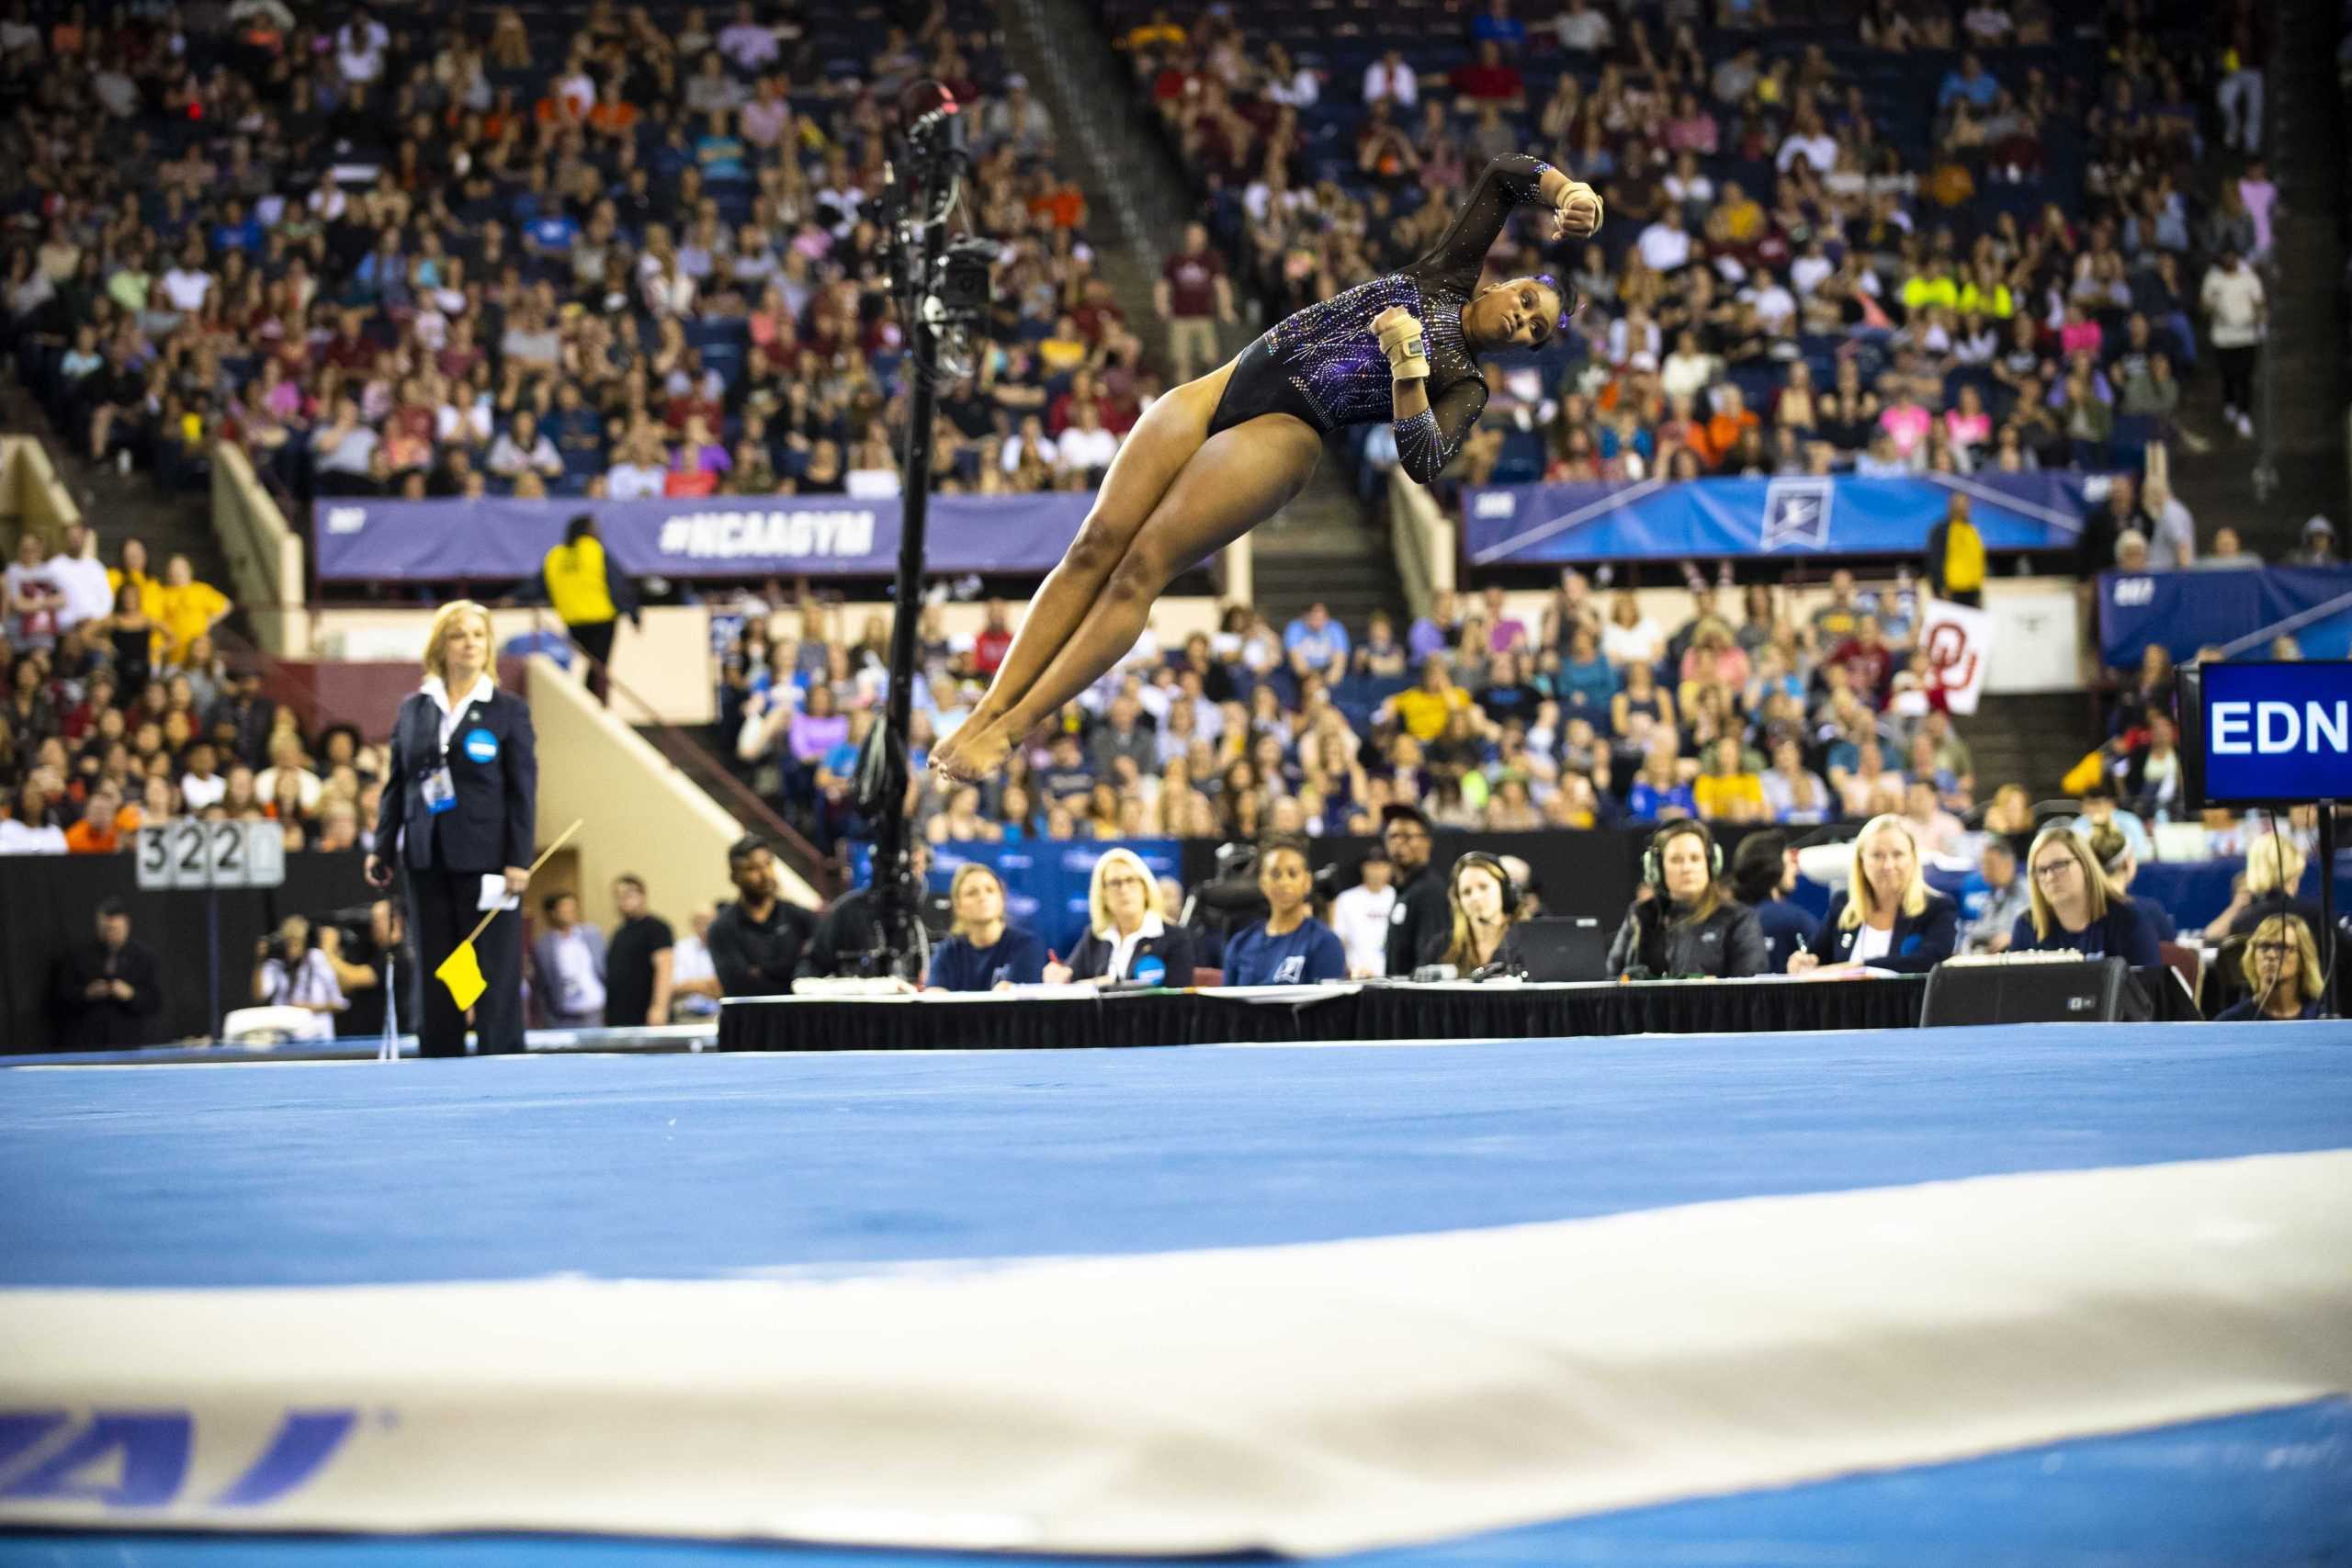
(1080, 1016)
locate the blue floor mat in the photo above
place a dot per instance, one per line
(699, 1167)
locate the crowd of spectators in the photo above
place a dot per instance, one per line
(117, 708)
(1958, 243)
(410, 251)
(1739, 711)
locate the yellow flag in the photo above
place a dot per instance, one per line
(461, 971)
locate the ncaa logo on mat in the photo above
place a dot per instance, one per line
(142, 1459)
(1796, 514)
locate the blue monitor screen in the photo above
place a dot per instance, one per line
(2277, 732)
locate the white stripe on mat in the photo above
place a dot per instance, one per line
(1306, 1399)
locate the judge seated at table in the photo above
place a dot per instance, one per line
(1486, 911)
(982, 951)
(2072, 908)
(1687, 927)
(2282, 971)
(1125, 938)
(1886, 917)
(1290, 946)
(2119, 864)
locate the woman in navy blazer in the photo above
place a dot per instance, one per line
(1125, 940)
(460, 805)
(1886, 917)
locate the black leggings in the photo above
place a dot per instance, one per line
(2237, 377)
(595, 639)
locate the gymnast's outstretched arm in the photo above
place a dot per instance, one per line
(1511, 181)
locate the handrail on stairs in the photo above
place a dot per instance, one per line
(710, 770)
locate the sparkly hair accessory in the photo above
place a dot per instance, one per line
(1568, 298)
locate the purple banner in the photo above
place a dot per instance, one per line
(361, 539)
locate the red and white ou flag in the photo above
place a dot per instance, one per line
(1959, 644)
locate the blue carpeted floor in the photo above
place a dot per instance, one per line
(704, 1167)
(688, 1167)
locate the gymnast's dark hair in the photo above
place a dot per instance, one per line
(1569, 298)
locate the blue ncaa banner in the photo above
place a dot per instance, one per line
(2237, 611)
(1823, 515)
(360, 539)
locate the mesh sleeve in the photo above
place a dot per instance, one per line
(1507, 182)
(1426, 442)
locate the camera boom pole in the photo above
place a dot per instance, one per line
(885, 776)
(934, 157)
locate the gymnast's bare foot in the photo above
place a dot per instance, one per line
(978, 748)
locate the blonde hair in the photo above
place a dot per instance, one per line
(1861, 896)
(2310, 979)
(2273, 864)
(2110, 848)
(1098, 905)
(2045, 918)
(436, 641)
(958, 925)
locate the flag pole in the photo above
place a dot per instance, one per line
(545, 855)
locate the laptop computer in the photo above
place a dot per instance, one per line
(1570, 948)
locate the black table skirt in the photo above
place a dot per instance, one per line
(1372, 1012)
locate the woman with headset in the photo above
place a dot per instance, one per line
(1886, 917)
(1485, 919)
(1688, 927)
(459, 812)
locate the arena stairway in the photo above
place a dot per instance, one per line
(2030, 739)
(121, 506)
(1138, 199)
(2296, 466)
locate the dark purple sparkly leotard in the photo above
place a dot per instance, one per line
(1325, 366)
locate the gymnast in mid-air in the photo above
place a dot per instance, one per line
(1215, 457)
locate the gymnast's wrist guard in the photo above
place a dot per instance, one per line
(1401, 341)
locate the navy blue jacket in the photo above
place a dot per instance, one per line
(1019, 956)
(1913, 947)
(1171, 950)
(2160, 920)
(2250, 1011)
(2123, 933)
(493, 763)
(1313, 951)
(1783, 922)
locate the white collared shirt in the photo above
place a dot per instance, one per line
(1123, 948)
(451, 718)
